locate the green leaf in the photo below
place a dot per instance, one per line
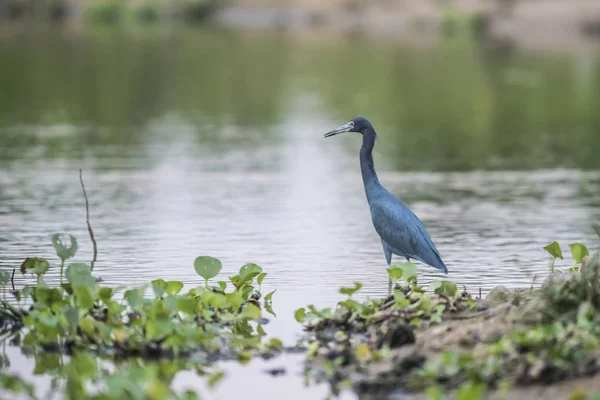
(269, 303)
(251, 311)
(215, 377)
(186, 304)
(269, 296)
(222, 285)
(554, 250)
(400, 299)
(300, 315)
(80, 275)
(105, 294)
(249, 272)
(84, 297)
(87, 325)
(207, 267)
(409, 270)
(173, 287)
(135, 297)
(159, 285)
(85, 364)
(35, 265)
(260, 278)
(72, 315)
(158, 329)
(471, 391)
(446, 288)
(234, 300)
(351, 291)
(63, 252)
(394, 273)
(434, 393)
(48, 296)
(578, 251)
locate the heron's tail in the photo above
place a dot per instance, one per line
(437, 263)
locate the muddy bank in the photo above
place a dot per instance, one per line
(529, 23)
(512, 343)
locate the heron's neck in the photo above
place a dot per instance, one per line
(367, 167)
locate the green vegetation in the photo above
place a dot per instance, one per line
(109, 12)
(451, 344)
(150, 336)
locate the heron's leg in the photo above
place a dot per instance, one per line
(387, 251)
(408, 260)
(389, 282)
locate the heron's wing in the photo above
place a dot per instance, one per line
(403, 230)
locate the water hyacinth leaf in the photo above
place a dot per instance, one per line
(27, 291)
(435, 393)
(352, 290)
(15, 384)
(48, 296)
(261, 331)
(80, 275)
(260, 278)
(222, 285)
(269, 303)
(244, 357)
(85, 364)
(159, 286)
(269, 296)
(409, 270)
(249, 272)
(394, 273)
(158, 329)
(173, 287)
(578, 251)
(471, 391)
(234, 300)
(135, 297)
(186, 304)
(300, 315)
(85, 299)
(251, 311)
(62, 251)
(215, 377)
(554, 250)
(35, 265)
(87, 325)
(207, 267)
(46, 362)
(72, 316)
(443, 287)
(105, 294)
(275, 343)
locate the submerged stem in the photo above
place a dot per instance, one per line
(62, 265)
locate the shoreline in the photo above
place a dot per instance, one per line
(531, 24)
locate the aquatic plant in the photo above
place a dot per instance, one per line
(156, 321)
(451, 344)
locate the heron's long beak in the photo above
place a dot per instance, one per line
(341, 129)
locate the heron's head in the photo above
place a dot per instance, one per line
(358, 124)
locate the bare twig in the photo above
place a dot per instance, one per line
(87, 220)
(12, 279)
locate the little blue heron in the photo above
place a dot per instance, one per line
(401, 231)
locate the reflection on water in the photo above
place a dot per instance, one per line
(200, 142)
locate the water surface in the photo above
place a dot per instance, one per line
(199, 142)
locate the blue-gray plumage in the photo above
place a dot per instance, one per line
(401, 231)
